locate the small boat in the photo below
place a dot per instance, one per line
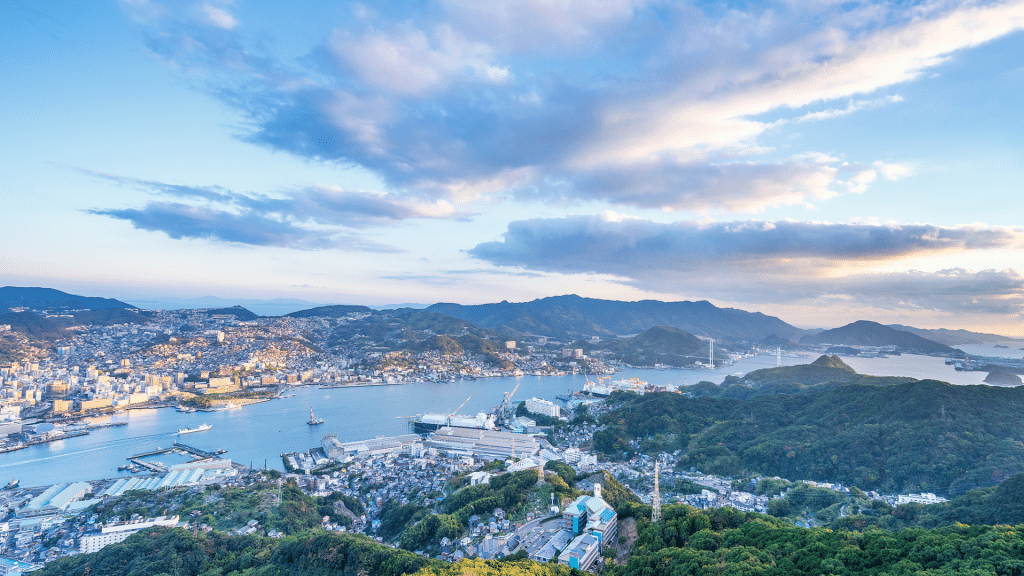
(185, 409)
(12, 484)
(202, 428)
(313, 420)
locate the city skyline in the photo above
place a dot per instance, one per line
(822, 162)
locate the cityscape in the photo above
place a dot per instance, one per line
(512, 288)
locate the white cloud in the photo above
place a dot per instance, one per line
(710, 111)
(530, 25)
(405, 60)
(217, 16)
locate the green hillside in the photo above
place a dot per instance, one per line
(112, 316)
(909, 436)
(33, 325)
(724, 541)
(1003, 504)
(826, 371)
(685, 541)
(176, 552)
(335, 311)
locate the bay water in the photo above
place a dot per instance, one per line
(258, 434)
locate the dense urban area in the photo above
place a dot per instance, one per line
(561, 479)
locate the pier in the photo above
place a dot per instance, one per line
(177, 446)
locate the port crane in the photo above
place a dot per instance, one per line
(460, 406)
(504, 411)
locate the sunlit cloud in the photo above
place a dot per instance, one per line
(765, 261)
(453, 101)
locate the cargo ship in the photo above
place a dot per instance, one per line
(202, 428)
(430, 422)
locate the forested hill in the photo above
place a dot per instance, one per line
(909, 436)
(573, 316)
(724, 541)
(685, 541)
(50, 299)
(176, 552)
(333, 311)
(867, 333)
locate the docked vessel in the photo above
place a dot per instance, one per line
(430, 422)
(202, 428)
(313, 420)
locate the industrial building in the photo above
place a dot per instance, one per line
(55, 499)
(484, 444)
(402, 444)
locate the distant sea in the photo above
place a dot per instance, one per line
(258, 434)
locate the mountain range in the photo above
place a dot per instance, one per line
(568, 318)
(50, 299)
(867, 333)
(571, 316)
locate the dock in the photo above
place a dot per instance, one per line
(199, 455)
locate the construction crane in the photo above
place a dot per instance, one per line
(460, 406)
(506, 404)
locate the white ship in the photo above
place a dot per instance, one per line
(202, 428)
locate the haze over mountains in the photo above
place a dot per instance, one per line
(568, 318)
(48, 298)
(574, 316)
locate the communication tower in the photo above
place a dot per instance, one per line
(656, 497)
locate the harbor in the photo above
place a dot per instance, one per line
(262, 431)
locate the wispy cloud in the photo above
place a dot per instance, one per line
(182, 221)
(451, 100)
(761, 261)
(309, 218)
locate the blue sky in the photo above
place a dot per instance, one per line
(819, 161)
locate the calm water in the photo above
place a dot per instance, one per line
(260, 433)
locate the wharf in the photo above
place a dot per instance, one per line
(50, 438)
(199, 455)
(362, 385)
(105, 425)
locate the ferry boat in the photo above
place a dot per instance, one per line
(313, 420)
(202, 428)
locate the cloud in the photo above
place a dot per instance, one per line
(405, 60)
(183, 221)
(736, 186)
(308, 218)
(217, 16)
(853, 106)
(532, 25)
(763, 261)
(618, 101)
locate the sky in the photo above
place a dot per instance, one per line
(818, 161)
